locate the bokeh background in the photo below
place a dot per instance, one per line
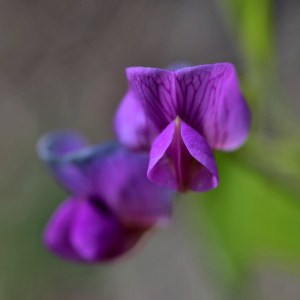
(62, 66)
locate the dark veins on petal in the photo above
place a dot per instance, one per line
(191, 96)
(197, 105)
(159, 98)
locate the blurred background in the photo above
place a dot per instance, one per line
(62, 65)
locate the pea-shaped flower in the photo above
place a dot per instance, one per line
(113, 203)
(181, 116)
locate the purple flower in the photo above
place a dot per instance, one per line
(180, 116)
(113, 203)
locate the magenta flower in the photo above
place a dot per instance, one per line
(113, 203)
(180, 116)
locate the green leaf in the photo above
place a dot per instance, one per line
(246, 218)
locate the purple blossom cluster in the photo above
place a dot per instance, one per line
(167, 126)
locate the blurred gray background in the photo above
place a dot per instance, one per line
(62, 65)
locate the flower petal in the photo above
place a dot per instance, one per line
(58, 144)
(80, 230)
(210, 101)
(132, 128)
(155, 89)
(205, 176)
(122, 182)
(161, 170)
(98, 236)
(80, 170)
(117, 176)
(56, 234)
(181, 159)
(56, 149)
(206, 97)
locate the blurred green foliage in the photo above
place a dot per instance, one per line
(255, 211)
(251, 218)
